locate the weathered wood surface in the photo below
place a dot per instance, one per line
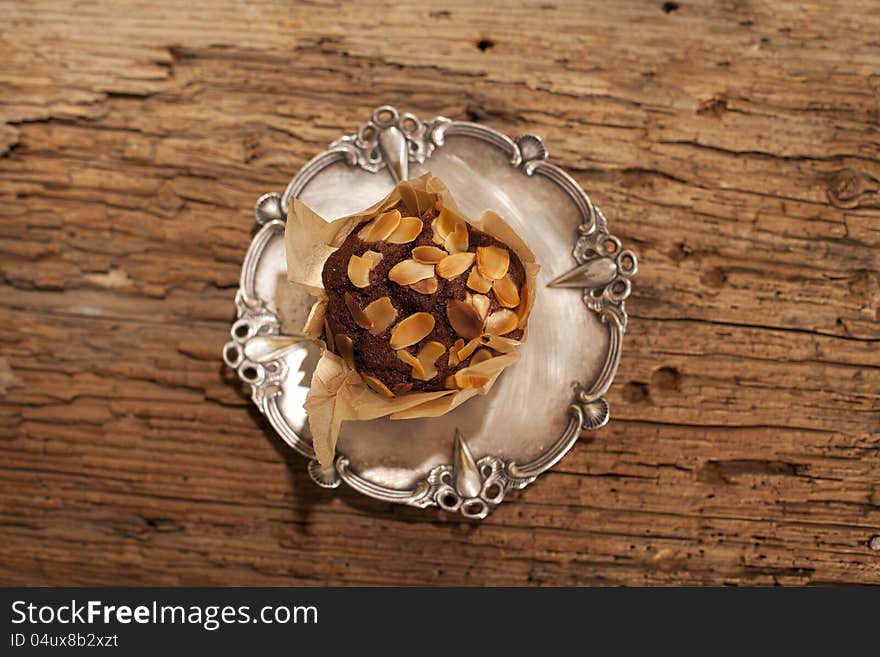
(735, 146)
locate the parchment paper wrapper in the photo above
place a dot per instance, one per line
(337, 392)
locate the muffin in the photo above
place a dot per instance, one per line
(417, 294)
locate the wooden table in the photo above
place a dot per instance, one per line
(735, 146)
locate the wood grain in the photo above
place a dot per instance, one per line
(734, 145)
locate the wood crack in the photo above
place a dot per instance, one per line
(762, 327)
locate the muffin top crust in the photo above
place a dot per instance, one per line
(414, 300)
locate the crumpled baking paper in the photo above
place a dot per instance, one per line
(337, 392)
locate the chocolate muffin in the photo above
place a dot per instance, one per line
(416, 297)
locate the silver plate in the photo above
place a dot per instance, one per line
(538, 407)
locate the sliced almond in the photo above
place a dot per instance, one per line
(381, 227)
(501, 322)
(493, 261)
(381, 313)
(377, 385)
(428, 255)
(401, 388)
(506, 292)
(346, 348)
(480, 302)
(407, 272)
(522, 311)
(464, 319)
(455, 265)
(454, 358)
(359, 269)
(373, 256)
(468, 349)
(457, 240)
(428, 356)
(356, 313)
(418, 370)
(499, 344)
(426, 286)
(411, 330)
(466, 379)
(480, 355)
(450, 383)
(477, 282)
(443, 225)
(407, 231)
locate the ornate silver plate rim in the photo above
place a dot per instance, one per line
(392, 140)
